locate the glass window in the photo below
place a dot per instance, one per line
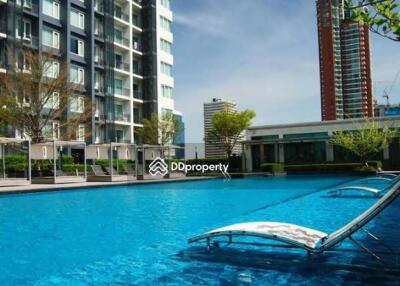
(118, 86)
(165, 24)
(80, 133)
(167, 91)
(166, 69)
(51, 8)
(166, 3)
(51, 69)
(51, 38)
(77, 104)
(165, 46)
(53, 101)
(77, 47)
(77, 74)
(77, 19)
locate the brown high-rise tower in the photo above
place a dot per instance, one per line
(345, 64)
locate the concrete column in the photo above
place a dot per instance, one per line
(281, 153)
(262, 157)
(329, 152)
(276, 151)
(386, 153)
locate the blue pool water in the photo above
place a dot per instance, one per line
(136, 235)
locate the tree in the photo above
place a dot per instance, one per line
(366, 142)
(227, 128)
(38, 92)
(159, 131)
(381, 16)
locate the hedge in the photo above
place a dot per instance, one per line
(273, 168)
(335, 167)
(235, 163)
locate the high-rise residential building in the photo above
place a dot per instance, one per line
(345, 64)
(118, 51)
(216, 150)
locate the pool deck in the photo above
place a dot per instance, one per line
(36, 188)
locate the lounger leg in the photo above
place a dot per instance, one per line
(363, 247)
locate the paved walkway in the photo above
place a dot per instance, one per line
(34, 188)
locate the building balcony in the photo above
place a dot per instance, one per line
(99, 33)
(122, 92)
(137, 70)
(29, 7)
(137, 46)
(122, 66)
(122, 41)
(137, 119)
(122, 16)
(98, 7)
(98, 60)
(29, 41)
(136, 22)
(122, 117)
(138, 3)
(137, 94)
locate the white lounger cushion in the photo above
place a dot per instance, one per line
(290, 233)
(359, 188)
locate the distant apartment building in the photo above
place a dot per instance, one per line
(345, 64)
(119, 52)
(216, 150)
(179, 139)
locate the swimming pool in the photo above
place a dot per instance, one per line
(137, 235)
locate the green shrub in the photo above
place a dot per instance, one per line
(273, 168)
(73, 167)
(375, 164)
(334, 167)
(15, 163)
(235, 163)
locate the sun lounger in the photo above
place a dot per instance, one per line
(98, 170)
(313, 241)
(339, 191)
(110, 171)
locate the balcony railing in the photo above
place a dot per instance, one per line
(138, 2)
(122, 92)
(122, 16)
(28, 6)
(137, 94)
(3, 27)
(137, 70)
(122, 41)
(98, 33)
(137, 119)
(122, 117)
(98, 7)
(136, 46)
(122, 66)
(99, 61)
(136, 22)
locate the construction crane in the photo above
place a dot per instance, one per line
(387, 92)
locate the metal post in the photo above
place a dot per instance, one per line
(55, 160)
(84, 162)
(111, 161)
(144, 162)
(4, 160)
(29, 162)
(136, 160)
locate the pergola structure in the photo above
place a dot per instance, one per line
(6, 179)
(149, 153)
(52, 150)
(111, 153)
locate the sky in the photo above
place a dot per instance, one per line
(262, 54)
